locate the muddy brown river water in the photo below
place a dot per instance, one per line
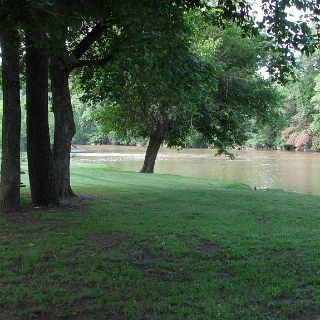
(293, 171)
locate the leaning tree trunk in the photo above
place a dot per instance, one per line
(38, 140)
(11, 123)
(155, 142)
(64, 128)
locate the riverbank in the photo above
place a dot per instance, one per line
(292, 171)
(139, 246)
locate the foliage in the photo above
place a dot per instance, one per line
(86, 130)
(288, 36)
(301, 108)
(73, 20)
(243, 94)
(268, 135)
(206, 82)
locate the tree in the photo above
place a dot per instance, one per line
(148, 21)
(64, 127)
(167, 94)
(40, 163)
(56, 22)
(287, 36)
(302, 129)
(14, 17)
(61, 65)
(155, 49)
(10, 165)
(237, 11)
(11, 120)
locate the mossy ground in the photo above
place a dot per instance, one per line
(139, 246)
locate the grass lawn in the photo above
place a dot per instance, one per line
(139, 246)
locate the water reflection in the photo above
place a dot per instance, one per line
(294, 171)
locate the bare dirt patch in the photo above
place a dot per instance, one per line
(158, 265)
(78, 203)
(264, 219)
(91, 197)
(99, 315)
(205, 247)
(295, 303)
(290, 301)
(110, 240)
(9, 314)
(29, 214)
(225, 276)
(308, 317)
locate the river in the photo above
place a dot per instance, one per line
(293, 171)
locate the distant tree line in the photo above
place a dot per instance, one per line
(295, 125)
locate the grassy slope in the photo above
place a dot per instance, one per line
(163, 247)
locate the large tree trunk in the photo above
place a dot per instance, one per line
(64, 128)
(11, 123)
(39, 150)
(60, 68)
(155, 142)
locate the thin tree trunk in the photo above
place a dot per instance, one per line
(152, 151)
(64, 128)
(11, 123)
(40, 162)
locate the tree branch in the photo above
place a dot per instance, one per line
(84, 45)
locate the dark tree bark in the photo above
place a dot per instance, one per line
(62, 108)
(64, 129)
(40, 162)
(11, 123)
(155, 142)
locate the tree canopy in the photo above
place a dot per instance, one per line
(159, 68)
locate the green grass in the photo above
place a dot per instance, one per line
(162, 247)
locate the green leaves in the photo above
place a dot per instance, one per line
(289, 36)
